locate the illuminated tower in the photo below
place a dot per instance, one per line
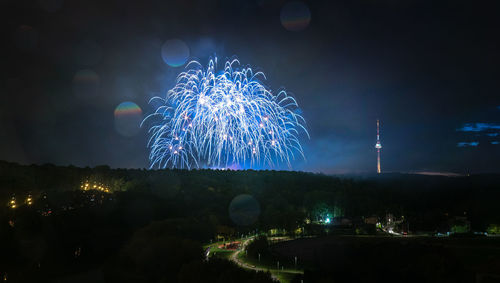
(378, 146)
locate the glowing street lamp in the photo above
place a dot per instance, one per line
(12, 203)
(29, 200)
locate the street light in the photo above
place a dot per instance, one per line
(295, 262)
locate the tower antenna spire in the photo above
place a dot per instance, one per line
(378, 146)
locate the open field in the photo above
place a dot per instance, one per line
(431, 257)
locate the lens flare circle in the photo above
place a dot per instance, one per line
(175, 52)
(26, 38)
(128, 117)
(244, 210)
(295, 16)
(216, 118)
(88, 53)
(86, 83)
(51, 6)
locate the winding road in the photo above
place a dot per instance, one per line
(235, 258)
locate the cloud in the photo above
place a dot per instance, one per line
(466, 144)
(479, 127)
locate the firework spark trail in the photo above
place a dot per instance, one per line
(222, 118)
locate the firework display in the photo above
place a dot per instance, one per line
(216, 118)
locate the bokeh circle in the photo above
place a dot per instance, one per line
(175, 52)
(244, 210)
(51, 6)
(86, 83)
(88, 53)
(128, 118)
(204, 47)
(26, 38)
(295, 16)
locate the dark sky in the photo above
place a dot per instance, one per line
(429, 70)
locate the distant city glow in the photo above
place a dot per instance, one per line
(431, 173)
(213, 118)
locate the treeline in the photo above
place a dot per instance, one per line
(285, 197)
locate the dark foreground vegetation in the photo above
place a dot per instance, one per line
(149, 226)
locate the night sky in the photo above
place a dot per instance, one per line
(429, 70)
